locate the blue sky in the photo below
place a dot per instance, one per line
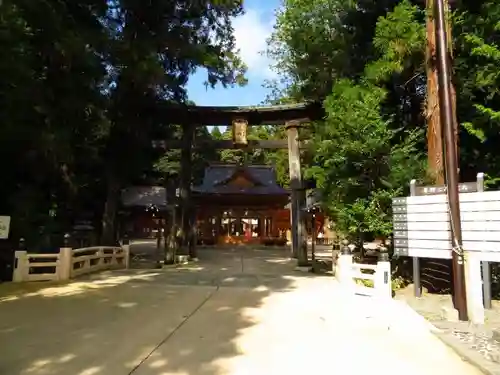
(251, 31)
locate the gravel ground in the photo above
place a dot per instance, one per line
(481, 344)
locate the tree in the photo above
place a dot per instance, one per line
(478, 78)
(155, 54)
(51, 110)
(216, 133)
(370, 145)
(80, 92)
(357, 164)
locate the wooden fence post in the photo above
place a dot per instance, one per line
(383, 284)
(65, 259)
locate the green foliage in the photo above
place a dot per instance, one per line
(364, 156)
(277, 158)
(476, 31)
(216, 133)
(168, 165)
(357, 164)
(81, 88)
(399, 39)
(371, 143)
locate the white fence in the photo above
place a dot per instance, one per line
(380, 274)
(68, 263)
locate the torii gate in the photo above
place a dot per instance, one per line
(292, 116)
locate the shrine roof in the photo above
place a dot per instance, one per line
(255, 115)
(218, 177)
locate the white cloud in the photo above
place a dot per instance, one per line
(251, 32)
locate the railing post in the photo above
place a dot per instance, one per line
(126, 251)
(383, 284)
(21, 263)
(335, 257)
(345, 271)
(101, 264)
(65, 259)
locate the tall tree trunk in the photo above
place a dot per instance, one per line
(108, 235)
(434, 137)
(434, 134)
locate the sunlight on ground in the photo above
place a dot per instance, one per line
(143, 353)
(91, 371)
(77, 287)
(190, 268)
(298, 331)
(41, 365)
(241, 315)
(278, 261)
(271, 332)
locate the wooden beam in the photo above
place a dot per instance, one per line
(255, 115)
(227, 144)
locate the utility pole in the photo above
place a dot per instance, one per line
(435, 155)
(446, 110)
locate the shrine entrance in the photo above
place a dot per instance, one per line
(216, 212)
(240, 204)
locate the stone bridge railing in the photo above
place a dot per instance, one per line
(365, 279)
(69, 262)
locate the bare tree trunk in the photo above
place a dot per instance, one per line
(434, 136)
(449, 35)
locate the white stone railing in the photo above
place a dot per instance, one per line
(68, 263)
(380, 274)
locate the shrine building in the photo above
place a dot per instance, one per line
(238, 204)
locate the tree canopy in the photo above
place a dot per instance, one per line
(77, 96)
(366, 61)
(80, 87)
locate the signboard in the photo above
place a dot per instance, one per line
(422, 228)
(4, 227)
(465, 187)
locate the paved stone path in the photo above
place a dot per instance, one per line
(237, 311)
(479, 343)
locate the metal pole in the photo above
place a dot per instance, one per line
(451, 165)
(485, 264)
(313, 240)
(417, 283)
